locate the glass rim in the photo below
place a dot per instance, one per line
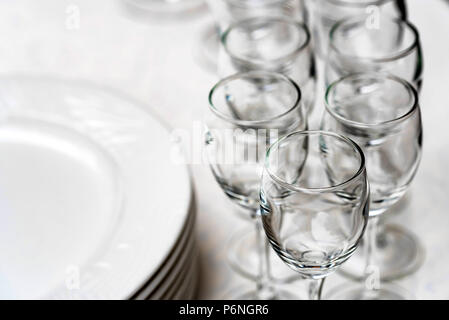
(359, 4)
(298, 26)
(392, 57)
(412, 108)
(241, 75)
(293, 187)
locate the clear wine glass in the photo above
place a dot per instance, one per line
(323, 14)
(380, 112)
(314, 202)
(227, 12)
(391, 46)
(272, 44)
(249, 111)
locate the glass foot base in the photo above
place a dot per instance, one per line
(243, 259)
(246, 293)
(361, 292)
(398, 253)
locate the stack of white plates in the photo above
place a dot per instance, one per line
(93, 201)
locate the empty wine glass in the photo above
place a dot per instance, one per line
(314, 202)
(323, 14)
(227, 12)
(272, 44)
(249, 111)
(380, 112)
(391, 46)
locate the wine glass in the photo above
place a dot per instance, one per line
(380, 112)
(227, 12)
(247, 112)
(273, 44)
(314, 202)
(323, 14)
(391, 46)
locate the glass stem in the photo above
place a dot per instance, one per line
(315, 288)
(265, 289)
(372, 276)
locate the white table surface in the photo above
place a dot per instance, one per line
(156, 61)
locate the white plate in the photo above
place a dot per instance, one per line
(90, 203)
(178, 273)
(187, 283)
(157, 284)
(184, 282)
(192, 290)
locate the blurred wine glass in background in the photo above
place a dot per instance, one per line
(321, 15)
(394, 47)
(274, 44)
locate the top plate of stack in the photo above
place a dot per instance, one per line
(92, 200)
